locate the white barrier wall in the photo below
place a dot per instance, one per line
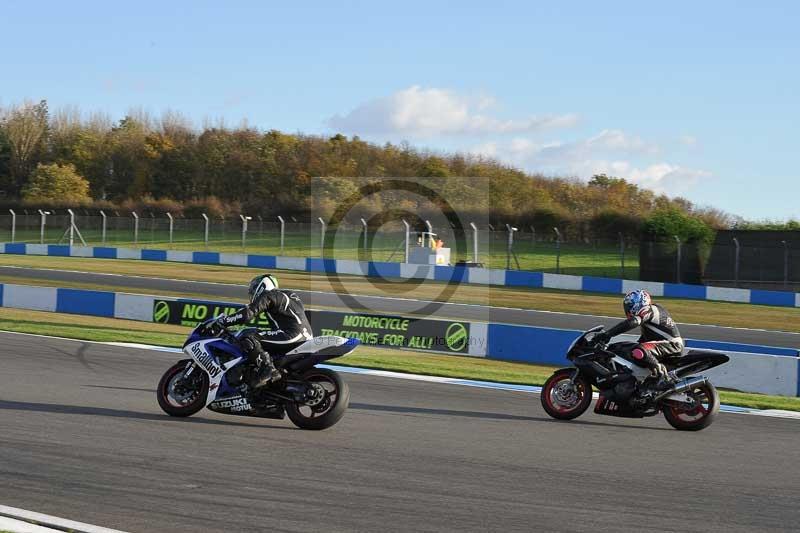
(747, 371)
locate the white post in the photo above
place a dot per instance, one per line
(135, 227)
(364, 223)
(558, 250)
(171, 226)
(103, 229)
(13, 224)
(408, 236)
(71, 227)
(322, 237)
(678, 260)
(283, 230)
(43, 215)
(474, 242)
(510, 249)
(205, 235)
(244, 229)
(430, 233)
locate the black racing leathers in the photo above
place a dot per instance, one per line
(660, 336)
(287, 317)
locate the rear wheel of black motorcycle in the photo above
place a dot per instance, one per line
(189, 397)
(563, 399)
(327, 403)
(701, 416)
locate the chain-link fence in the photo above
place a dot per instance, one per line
(769, 261)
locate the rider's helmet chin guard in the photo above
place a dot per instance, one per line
(636, 303)
(260, 285)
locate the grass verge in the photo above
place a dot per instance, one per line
(688, 311)
(116, 330)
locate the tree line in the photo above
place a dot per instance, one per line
(66, 158)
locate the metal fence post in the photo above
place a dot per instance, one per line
(244, 229)
(622, 254)
(408, 236)
(364, 224)
(322, 238)
(533, 236)
(510, 248)
(171, 226)
(43, 215)
(13, 224)
(785, 264)
(260, 225)
(71, 228)
(474, 242)
(205, 233)
(677, 260)
(283, 230)
(736, 263)
(430, 232)
(103, 228)
(558, 250)
(135, 227)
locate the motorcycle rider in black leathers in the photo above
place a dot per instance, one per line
(290, 327)
(660, 336)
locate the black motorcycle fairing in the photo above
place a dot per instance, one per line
(303, 361)
(695, 361)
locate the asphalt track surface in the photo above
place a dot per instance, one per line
(377, 304)
(81, 437)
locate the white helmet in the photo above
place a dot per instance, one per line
(260, 285)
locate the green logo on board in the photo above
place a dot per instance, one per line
(161, 312)
(456, 337)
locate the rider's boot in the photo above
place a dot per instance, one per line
(264, 373)
(666, 379)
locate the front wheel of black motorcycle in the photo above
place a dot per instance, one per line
(182, 397)
(564, 400)
(698, 417)
(326, 400)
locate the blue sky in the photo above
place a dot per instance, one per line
(692, 98)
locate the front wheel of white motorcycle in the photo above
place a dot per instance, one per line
(179, 396)
(698, 417)
(326, 400)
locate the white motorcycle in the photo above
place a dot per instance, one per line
(216, 376)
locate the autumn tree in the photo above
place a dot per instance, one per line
(26, 132)
(59, 184)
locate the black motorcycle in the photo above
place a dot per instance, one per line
(689, 403)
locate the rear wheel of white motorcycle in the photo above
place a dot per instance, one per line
(563, 399)
(326, 401)
(699, 417)
(178, 397)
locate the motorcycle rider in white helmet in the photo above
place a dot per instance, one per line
(290, 327)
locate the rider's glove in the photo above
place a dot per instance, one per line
(602, 337)
(213, 327)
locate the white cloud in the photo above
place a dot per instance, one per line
(421, 112)
(586, 157)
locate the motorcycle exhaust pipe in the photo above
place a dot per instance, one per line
(682, 386)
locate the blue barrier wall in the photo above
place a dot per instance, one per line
(502, 341)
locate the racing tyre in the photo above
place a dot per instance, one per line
(326, 400)
(564, 400)
(701, 416)
(179, 397)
